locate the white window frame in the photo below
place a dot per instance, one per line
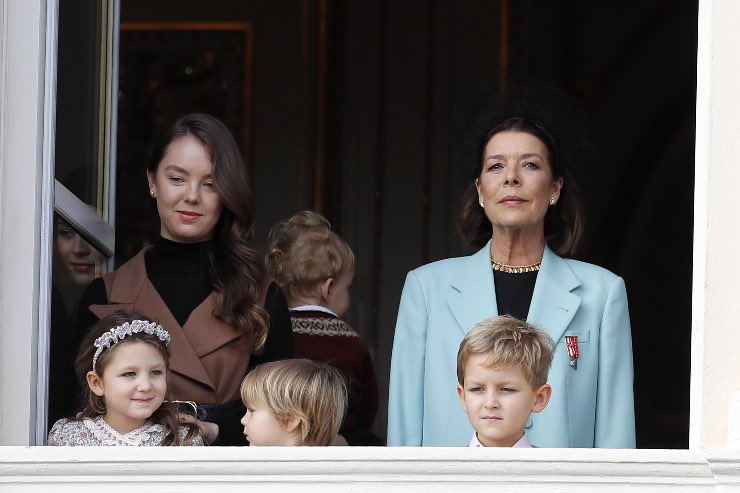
(26, 131)
(29, 196)
(82, 218)
(25, 209)
(99, 232)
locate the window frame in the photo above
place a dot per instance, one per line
(25, 99)
(98, 229)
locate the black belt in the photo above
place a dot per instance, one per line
(227, 416)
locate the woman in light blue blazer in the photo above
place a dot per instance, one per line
(524, 212)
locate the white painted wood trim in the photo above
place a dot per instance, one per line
(84, 219)
(21, 212)
(113, 469)
(715, 366)
(46, 244)
(714, 361)
(700, 254)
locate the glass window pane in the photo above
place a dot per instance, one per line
(82, 95)
(83, 235)
(75, 263)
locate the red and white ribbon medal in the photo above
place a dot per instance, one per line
(571, 344)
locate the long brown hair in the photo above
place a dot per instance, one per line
(95, 406)
(236, 268)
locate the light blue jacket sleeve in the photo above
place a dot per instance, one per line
(406, 394)
(615, 410)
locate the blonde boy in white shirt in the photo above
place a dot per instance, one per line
(502, 367)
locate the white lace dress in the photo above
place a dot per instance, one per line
(95, 431)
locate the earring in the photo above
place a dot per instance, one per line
(552, 200)
(481, 204)
(153, 193)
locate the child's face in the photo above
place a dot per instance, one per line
(134, 384)
(338, 298)
(498, 401)
(262, 429)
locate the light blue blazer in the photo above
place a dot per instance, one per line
(591, 406)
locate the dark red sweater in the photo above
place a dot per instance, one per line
(323, 337)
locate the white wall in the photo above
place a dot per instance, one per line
(22, 38)
(715, 368)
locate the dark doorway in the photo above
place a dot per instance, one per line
(352, 113)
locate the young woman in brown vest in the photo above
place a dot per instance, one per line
(202, 280)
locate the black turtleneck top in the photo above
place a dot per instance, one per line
(514, 292)
(179, 273)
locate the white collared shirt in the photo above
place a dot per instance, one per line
(522, 443)
(312, 308)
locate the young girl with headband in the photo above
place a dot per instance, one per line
(124, 360)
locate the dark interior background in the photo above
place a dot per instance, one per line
(351, 111)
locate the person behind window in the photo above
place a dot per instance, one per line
(293, 402)
(315, 268)
(202, 278)
(502, 366)
(124, 361)
(74, 264)
(521, 207)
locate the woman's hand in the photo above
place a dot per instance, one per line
(208, 430)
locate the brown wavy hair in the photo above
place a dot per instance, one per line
(166, 415)
(236, 267)
(303, 251)
(563, 221)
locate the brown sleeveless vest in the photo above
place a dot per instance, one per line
(207, 358)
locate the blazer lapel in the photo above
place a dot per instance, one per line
(474, 294)
(132, 289)
(183, 357)
(553, 304)
(205, 333)
(123, 287)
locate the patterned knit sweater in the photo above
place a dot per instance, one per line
(325, 337)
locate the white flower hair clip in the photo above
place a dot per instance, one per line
(120, 332)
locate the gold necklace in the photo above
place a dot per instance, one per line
(515, 269)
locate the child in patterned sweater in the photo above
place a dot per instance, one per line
(315, 268)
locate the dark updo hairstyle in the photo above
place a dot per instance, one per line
(563, 221)
(166, 415)
(236, 267)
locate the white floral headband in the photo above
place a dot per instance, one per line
(117, 334)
